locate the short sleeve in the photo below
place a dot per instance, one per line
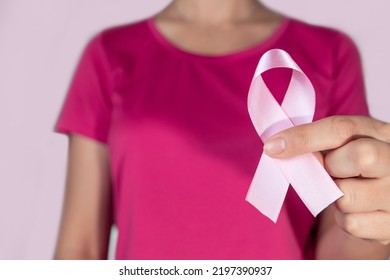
(87, 106)
(348, 89)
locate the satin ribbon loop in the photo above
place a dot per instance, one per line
(306, 175)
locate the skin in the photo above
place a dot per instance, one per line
(87, 214)
(354, 228)
(357, 154)
(216, 27)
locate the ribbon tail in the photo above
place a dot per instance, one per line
(311, 182)
(268, 188)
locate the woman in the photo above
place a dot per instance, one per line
(161, 143)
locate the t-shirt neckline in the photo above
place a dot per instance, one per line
(252, 50)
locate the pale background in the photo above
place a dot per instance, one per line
(40, 42)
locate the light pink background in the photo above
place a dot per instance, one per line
(40, 42)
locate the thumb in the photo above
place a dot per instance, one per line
(325, 134)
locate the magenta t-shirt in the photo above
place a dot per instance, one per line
(182, 147)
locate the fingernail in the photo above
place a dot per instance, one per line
(275, 146)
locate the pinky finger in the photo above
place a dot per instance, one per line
(369, 225)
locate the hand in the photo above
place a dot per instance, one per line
(357, 155)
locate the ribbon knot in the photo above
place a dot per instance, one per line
(305, 173)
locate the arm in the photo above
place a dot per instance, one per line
(357, 226)
(87, 215)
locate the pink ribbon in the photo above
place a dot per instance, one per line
(305, 173)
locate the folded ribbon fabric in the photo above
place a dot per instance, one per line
(273, 176)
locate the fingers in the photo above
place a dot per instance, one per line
(358, 152)
(366, 157)
(363, 195)
(364, 210)
(369, 225)
(325, 134)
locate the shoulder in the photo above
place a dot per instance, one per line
(119, 46)
(317, 34)
(318, 48)
(132, 33)
(127, 38)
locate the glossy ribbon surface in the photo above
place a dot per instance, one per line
(273, 176)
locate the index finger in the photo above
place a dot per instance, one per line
(325, 134)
